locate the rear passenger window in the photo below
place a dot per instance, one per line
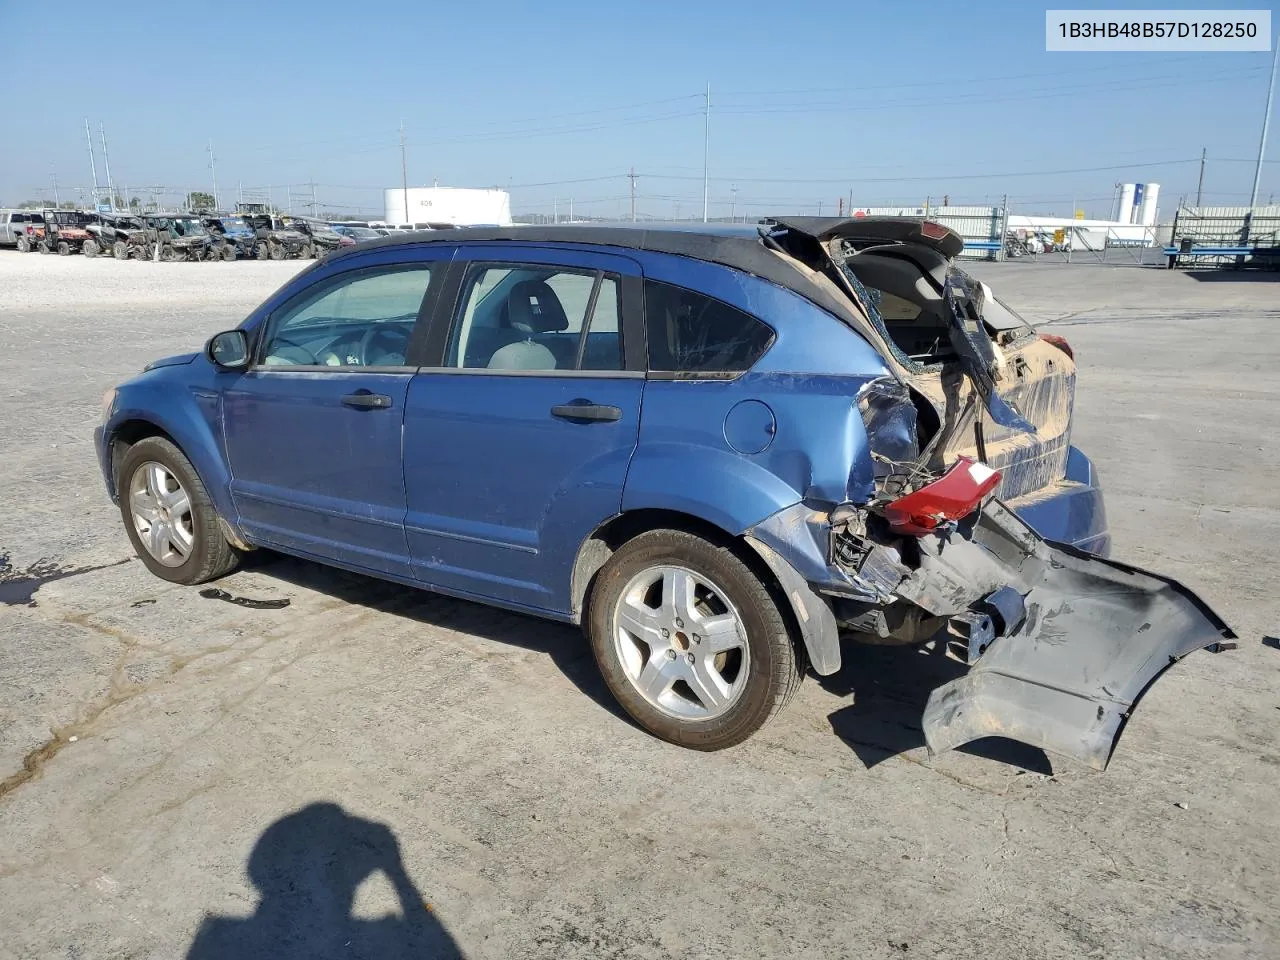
(525, 317)
(692, 334)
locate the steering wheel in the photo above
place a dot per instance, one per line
(308, 358)
(365, 351)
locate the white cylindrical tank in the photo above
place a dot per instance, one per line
(459, 206)
(1147, 211)
(1124, 209)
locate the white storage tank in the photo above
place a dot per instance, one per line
(459, 206)
(1124, 208)
(1147, 209)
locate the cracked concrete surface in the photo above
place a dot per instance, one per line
(528, 818)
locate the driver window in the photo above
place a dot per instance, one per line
(361, 320)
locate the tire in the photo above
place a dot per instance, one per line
(120, 250)
(261, 251)
(171, 254)
(64, 248)
(24, 245)
(767, 671)
(207, 554)
(278, 252)
(229, 252)
(90, 248)
(43, 247)
(306, 252)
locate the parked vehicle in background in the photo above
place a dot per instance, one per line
(320, 237)
(357, 233)
(64, 231)
(111, 234)
(181, 237)
(232, 236)
(22, 229)
(715, 449)
(273, 238)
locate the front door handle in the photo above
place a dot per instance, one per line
(364, 400)
(584, 411)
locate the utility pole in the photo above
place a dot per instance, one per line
(819, 208)
(632, 176)
(1200, 183)
(733, 203)
(555, 209)
(106, 165)
(93, 167)
(214, 171)
(706, 154)
(315, 209)
(851, 201)
(54, 174)
(404, 173)
(1266, 122)
(571, 209)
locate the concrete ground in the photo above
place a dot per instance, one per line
(397, 774)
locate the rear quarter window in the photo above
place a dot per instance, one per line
(692, 335)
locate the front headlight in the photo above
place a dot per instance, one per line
(108, 404)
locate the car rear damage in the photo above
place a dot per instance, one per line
(1061, 642)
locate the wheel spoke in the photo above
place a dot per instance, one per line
(707, 684)
(640, 621)
(654, 680)
(719, 633)
(677, 594)
(157, 482)
(180, 538)
(141, 505)
(177, 502)
(158, 540)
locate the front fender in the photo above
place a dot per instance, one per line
(190, 416)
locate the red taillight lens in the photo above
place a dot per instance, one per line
(1060, 343)
(956, 494)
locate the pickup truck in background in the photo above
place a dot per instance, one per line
(21, 228)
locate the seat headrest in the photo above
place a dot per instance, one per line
(533, 307)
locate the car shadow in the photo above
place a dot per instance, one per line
(1234, 275)
(890, 686)
(307, 867)
(566, 645)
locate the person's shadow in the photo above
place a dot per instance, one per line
(307, 867)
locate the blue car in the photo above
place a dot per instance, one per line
(718, 450)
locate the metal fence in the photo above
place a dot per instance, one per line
(1093, 243)
(1226, 236)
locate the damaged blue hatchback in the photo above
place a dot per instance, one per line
(719, 451)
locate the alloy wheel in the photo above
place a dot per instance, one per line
(681, 643)
(161, 512)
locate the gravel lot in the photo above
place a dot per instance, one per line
(151, 737)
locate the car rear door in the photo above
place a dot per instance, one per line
(517, 441)
(313, 429)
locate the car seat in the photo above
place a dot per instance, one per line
(532, 309)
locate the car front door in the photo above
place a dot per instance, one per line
(517, 444)
(313, 428)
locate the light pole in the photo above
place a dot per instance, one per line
(1266, 122)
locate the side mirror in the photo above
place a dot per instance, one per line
(228, 350)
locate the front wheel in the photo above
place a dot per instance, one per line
(261, 252)
(64, 248)
(90, 248)
(229, 252)
(168, 515)
(120, 250)
(690, 641)
(278, 251)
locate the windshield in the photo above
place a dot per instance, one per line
(361, 233)
(69, 218)
(189, 228)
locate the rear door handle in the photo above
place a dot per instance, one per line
(364, 400)
(584, 411)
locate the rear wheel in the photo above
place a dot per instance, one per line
(306, 252)
(43, 246)
(24, 245)
(64, 248)
(168, 515)
(261, 251)
(90, 248)
(278, 252)
(229, 252)
(690, 641)
(120, 250)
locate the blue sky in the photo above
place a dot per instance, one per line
(558, 100)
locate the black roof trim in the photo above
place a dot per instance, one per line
(741, 252)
